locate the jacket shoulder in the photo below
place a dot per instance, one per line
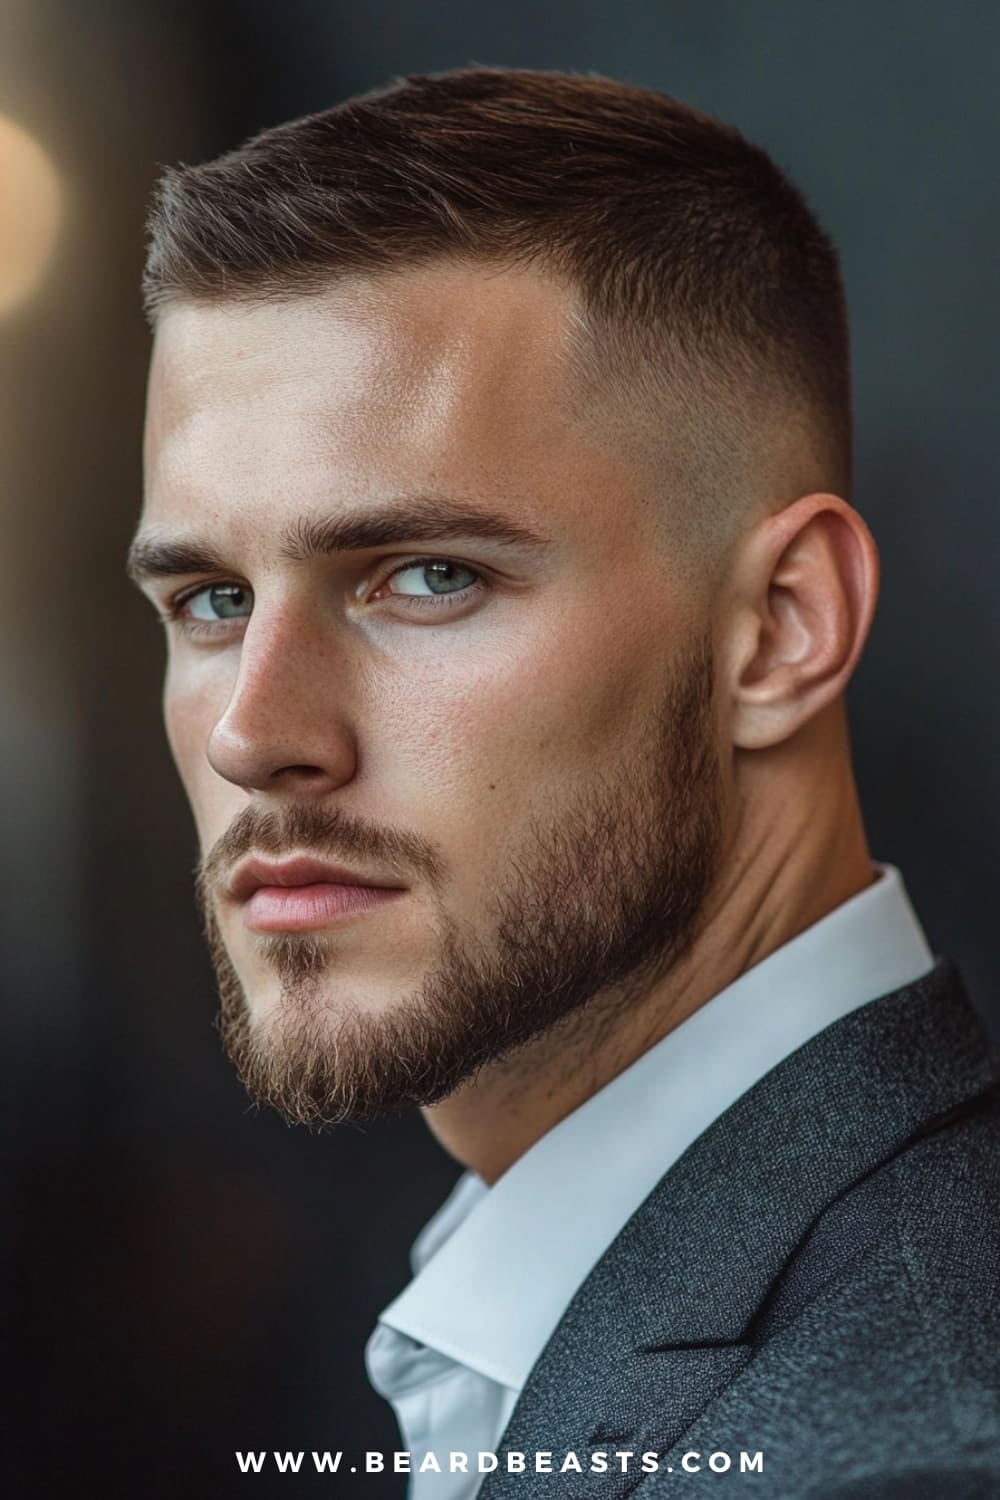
(912, 1250)
(876, 1355)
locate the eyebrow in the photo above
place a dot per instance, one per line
(423, 518)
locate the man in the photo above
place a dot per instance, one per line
(497, 464)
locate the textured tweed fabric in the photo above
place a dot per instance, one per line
(816, 1280)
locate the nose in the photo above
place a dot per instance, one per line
(286, 726)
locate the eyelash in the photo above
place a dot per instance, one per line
(173, 611)
(438, 601)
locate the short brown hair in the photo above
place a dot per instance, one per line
(705, 281)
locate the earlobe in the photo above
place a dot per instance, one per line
(806, 584)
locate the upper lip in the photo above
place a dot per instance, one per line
(254, 873)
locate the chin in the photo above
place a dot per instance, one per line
(305, 982)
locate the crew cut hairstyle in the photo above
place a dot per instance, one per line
(709, 309)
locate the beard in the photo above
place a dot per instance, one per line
(599, 903)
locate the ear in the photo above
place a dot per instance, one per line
(805, 586)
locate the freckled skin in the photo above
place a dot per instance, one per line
(468, 727)
(259, 415)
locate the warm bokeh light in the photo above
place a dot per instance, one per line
(30, 204)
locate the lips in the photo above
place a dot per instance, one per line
(255, 873)
(301, 895)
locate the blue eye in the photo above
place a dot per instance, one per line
(215, 603)
(436, 576)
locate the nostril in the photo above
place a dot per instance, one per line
(303, 776)
(262, 752)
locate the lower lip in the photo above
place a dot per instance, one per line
(299, 908)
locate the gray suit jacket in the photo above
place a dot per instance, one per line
(816, 1279)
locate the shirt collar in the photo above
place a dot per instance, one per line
(495, 1267)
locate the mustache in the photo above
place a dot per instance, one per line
(325, 832)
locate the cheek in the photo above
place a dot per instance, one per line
(185, 717)
(190, 711)
(479, 738)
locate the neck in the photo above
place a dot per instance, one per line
(795, 850)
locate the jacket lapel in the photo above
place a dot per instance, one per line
(661, 1324)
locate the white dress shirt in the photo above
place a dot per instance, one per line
(495, 1268)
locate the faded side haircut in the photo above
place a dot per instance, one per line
(709, 325)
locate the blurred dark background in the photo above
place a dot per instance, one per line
(190, 1277)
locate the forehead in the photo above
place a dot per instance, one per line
(438, 377)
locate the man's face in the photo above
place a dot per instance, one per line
(506, 724)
